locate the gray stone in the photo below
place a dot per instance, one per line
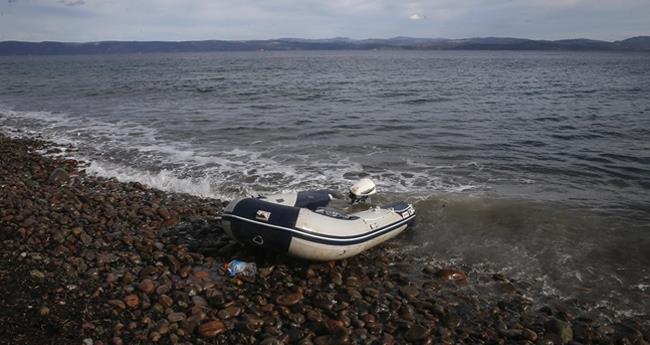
(416, 333)
(561, 328)
(58, 176)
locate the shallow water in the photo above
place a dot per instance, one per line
(534, 164)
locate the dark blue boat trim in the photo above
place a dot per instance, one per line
(260, 236)
(313, 199)
(328, 239)
(280, 215)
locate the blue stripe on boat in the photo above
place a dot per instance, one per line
(329, 239)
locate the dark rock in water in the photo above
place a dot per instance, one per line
(58, 176)
(561, 328)
(409, 291)
(506, 287)
(451, 274)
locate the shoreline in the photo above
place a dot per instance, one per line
(94, 260)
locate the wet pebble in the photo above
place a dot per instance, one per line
(230, 312)
(132, 301)
(560, 328)
(37, 274)
(58, 176)
(289, 299)
(211, 328)
(176, 317)
(409, 291)
(147, 286)
(271, 341)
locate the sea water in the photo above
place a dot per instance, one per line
(531, 164)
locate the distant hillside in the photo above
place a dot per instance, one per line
(641, 43)
(636, 43)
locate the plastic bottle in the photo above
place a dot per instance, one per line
(236, 267)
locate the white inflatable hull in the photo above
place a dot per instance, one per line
(279, 223)
(325, 252)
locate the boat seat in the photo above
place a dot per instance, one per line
(330, 212)
(313, 199)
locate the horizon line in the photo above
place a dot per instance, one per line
(327, 38)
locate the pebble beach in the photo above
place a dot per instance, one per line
(91, 260)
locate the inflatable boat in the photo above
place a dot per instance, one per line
(301, 223)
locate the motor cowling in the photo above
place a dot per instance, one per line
(362, 189)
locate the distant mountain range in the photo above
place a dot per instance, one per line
(640, 43)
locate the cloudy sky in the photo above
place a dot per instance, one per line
(95, 20)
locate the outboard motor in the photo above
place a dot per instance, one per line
(361, 190)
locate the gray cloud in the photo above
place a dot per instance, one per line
(251, 19)
(72, 2)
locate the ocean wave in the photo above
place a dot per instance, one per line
(134, 152)
(164, 180)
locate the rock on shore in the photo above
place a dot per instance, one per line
(89, 260)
